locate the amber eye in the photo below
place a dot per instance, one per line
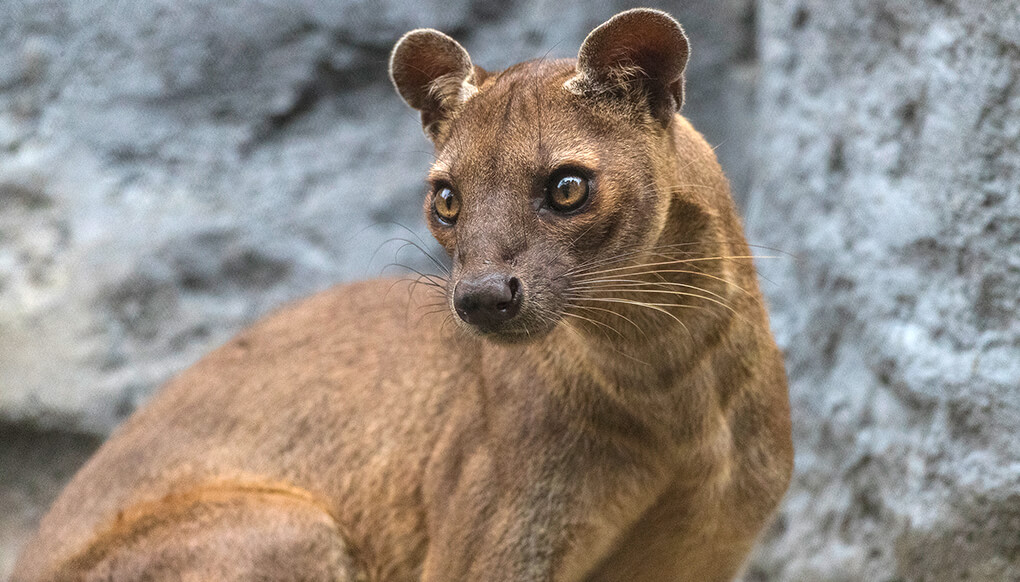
(567, 192)
(446, 205)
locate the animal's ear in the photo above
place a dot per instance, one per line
(433, 74)
(640, 53)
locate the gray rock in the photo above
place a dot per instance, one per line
(888, 164)
(170, 171)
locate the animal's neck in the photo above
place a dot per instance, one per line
(653, 389)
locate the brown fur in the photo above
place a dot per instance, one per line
(367, 434)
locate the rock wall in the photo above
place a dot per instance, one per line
(888, 163)
(170, 171)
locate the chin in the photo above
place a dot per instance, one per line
(514, 334)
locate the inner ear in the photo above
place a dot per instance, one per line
(433, 74)
(641, 49)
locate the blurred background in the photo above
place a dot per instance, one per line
(170, 170)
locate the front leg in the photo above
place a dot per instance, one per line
(501, 510)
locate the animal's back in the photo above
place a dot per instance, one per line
(330, 407)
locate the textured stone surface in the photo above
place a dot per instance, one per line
(889, 163)
(170, 171)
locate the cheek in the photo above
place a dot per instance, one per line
(544, 263)
(599, 234)
(445, 236)
(624, 221)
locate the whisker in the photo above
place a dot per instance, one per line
(600, 283)
(633, 302)
(598, 323)
(669, 292)
(420, 239)
(633, 286)
(616, 313)
(679, 261)
(425, 314)
(430, 278)
(429, 255)
(625, 355)
(446, 320)
(628, 255)
(658, 271)
(653, 306)
(652, 250)
(421, 280)
(441, 290)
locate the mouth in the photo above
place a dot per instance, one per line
(508, 336)
(517, 331)
(511, 338)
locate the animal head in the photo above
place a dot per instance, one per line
(548, 168)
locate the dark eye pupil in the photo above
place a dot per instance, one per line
(569, 187)
(446, 205)
(569, 193)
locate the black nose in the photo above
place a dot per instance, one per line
(487, 301)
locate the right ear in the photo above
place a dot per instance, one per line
(434, 75)
(641, 53)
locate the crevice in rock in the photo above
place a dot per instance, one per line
(747, 50)
(35, 464)
(328, 80)
(800, 18)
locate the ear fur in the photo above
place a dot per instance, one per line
(642, 52)
(433, 74)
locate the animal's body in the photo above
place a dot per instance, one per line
(593, 394)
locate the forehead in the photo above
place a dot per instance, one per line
(521, 118)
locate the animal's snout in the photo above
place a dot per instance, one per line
(488, 301)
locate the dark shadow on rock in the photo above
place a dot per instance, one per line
(34, 467)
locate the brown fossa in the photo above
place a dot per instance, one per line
(592, 393)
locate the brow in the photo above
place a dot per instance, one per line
(580, 157)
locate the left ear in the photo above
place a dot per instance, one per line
(642, 49)
(433, 74)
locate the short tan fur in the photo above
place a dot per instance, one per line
(592, 393)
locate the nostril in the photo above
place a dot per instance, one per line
(515, 286)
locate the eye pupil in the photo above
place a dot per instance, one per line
(570, 187)
(569, 193)
(446, 205)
